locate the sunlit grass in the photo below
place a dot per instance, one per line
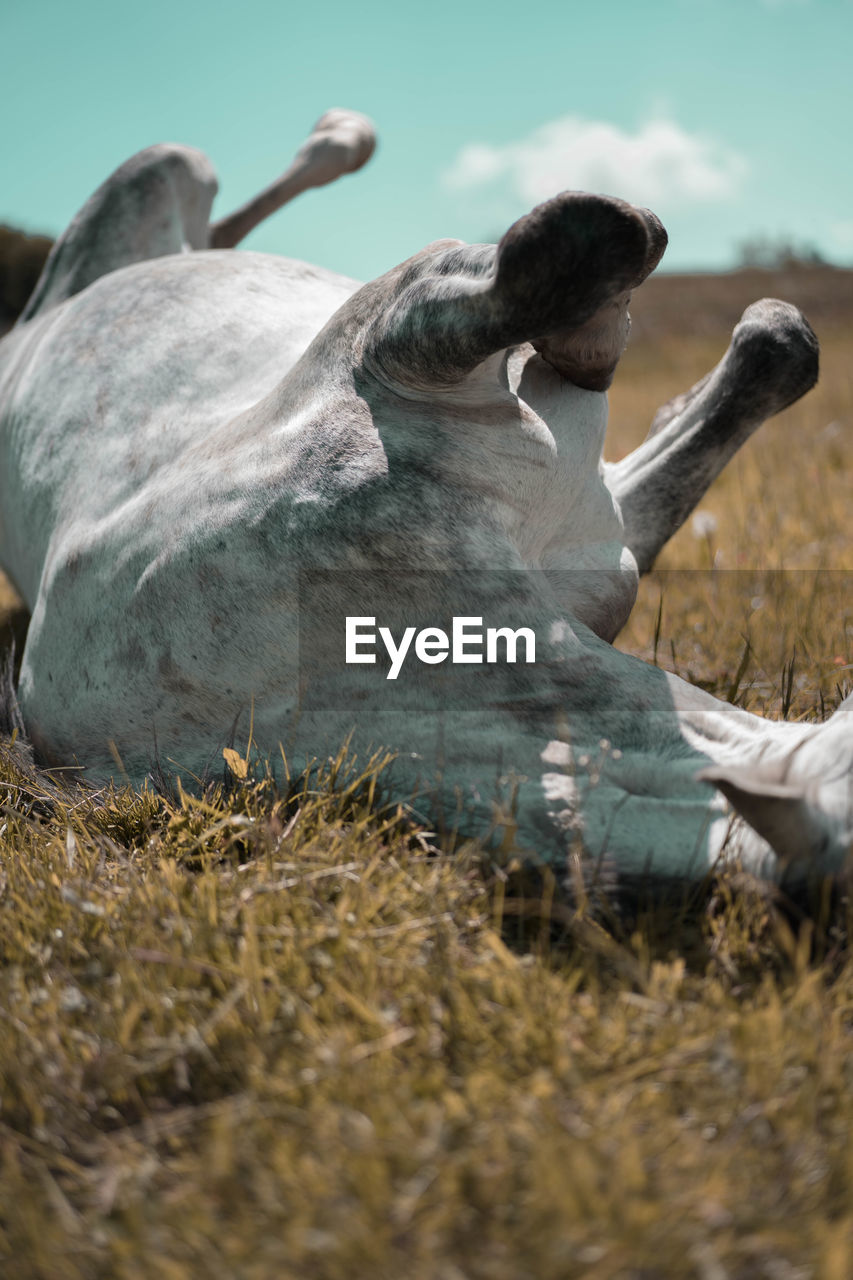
(252, 1035)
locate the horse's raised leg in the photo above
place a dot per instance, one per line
(340, 142)
(158, 202)
(771, 362)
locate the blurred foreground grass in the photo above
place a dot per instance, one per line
(267, 1035)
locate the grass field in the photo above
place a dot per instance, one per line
(262, 1036)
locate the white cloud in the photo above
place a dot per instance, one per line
(660, 164)
(842, 234)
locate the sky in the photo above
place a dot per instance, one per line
(732, 119)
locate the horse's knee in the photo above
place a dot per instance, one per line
(165, 191)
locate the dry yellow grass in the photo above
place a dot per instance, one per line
(254, 1035)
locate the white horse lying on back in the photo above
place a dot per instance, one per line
(211, 460)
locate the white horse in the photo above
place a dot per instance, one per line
(210, 461)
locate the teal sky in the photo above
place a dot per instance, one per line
(731, 118)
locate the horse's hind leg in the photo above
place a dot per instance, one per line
(340, 142)
(158, 202)
(771, 362)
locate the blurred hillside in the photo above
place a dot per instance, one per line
(709, 305)
(22, 257)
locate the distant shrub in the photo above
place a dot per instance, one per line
(777, 253)
(22, 257)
